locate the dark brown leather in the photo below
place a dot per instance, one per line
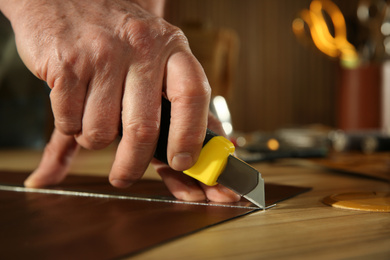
(50, 226)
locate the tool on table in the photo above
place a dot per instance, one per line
(216, 163)
(374, 15)
(299, 142)
(333, 46)
(366, 141)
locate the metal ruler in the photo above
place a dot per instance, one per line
(246, 205)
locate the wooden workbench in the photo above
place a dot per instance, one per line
(298, 228)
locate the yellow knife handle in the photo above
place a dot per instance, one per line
(213, 156)
(212, 160)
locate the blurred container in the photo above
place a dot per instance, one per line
(359, 98)
(386, 96)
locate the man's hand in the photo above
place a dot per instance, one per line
(108, 62)
(61, 149)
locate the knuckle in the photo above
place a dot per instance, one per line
(67, 127)
(195, 85)
(102, 49)
(66, 59)
(61, 68)
(203, 90)
(135, 32)
(144, 134)
(176, 36)
(190, 136)
(138, 31)
(65, 117)
(98, 139)
(194, 101)
(189, 93)
(147, 36)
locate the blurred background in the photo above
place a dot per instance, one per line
(278, 81)
(269, 77)
(25, 115)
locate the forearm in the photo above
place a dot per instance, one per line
(11, 7)
(155, 7)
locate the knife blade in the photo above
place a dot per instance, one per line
(216, 163)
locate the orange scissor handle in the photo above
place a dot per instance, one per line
(333, 46)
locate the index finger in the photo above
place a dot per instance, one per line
(188, 90)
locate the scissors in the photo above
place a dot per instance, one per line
(337, 45)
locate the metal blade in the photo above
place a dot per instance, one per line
(244, 180)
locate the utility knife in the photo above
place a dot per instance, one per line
(216, 163)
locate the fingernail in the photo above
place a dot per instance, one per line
(182, 161)
(28, 183)
(31, 181)
(120, 183)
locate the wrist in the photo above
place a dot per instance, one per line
(155, 7)
(10, 7)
